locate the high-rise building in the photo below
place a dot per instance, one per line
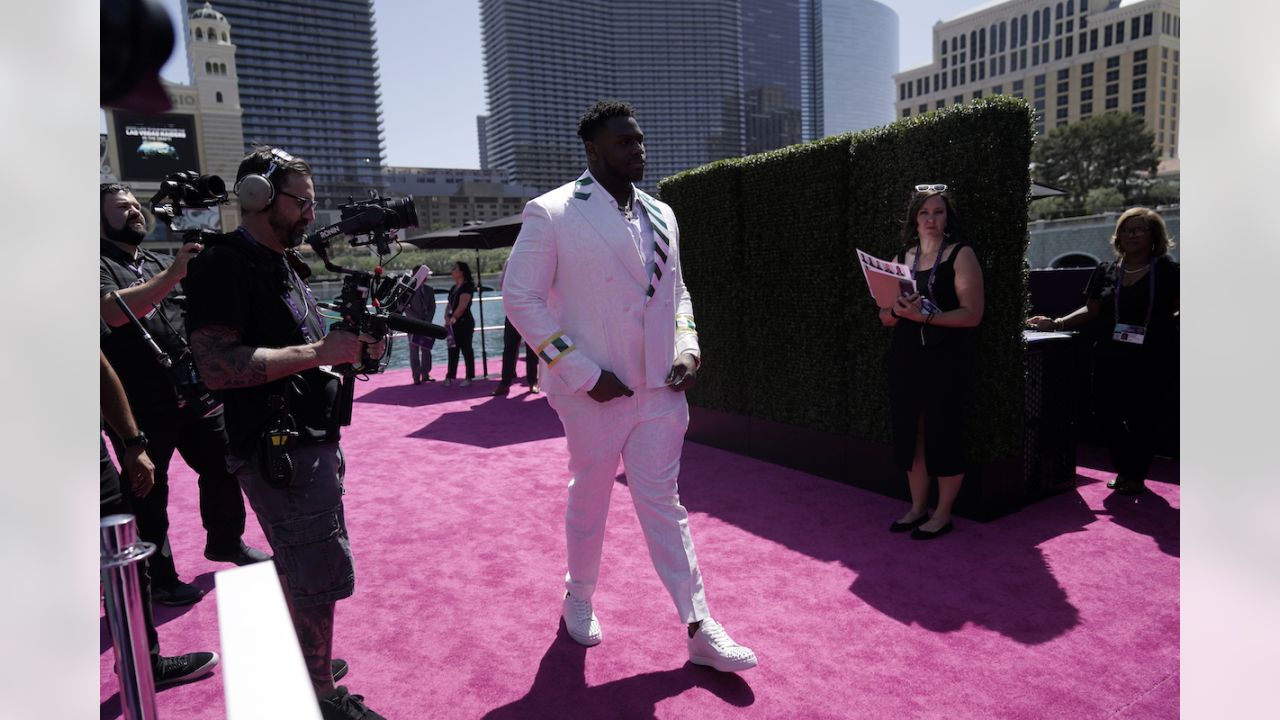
(1073, 60)
(308, 82)
(709, 79)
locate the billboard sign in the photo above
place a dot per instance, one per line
(152, 146)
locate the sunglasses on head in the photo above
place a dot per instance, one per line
(931, 188)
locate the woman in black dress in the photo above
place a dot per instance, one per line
(930, 358)
(1135, 341)
(460, 323)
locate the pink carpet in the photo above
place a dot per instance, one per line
(1067, 609)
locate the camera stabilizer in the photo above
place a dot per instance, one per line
(367, 299)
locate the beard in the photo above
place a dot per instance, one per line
(130, 234)
(289, 234)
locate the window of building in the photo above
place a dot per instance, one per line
(961, 42)
(1140, 69)
(1139, 97)
(1071, 26)
(200, 36)
(1063, 87)
(924, 108)
(1164, 53)
(1039, 80)
(1057, 29)
(1107, 36)
(1044, 23)
(1139, 110)
(992, 66)
(997, 90)
(958, 99)
(1071, 7)
(1002, 64)
(1022, 58)
(1139, 83)
(953, 76)
(1139, 55)
(1063, 100)
(1086, 69)
(906, 112)
(944, 47)
(1082, 43)
(1093, 40)
(1039, 105)
(218, 95)
(973, 42)
(1003, 33)
(1035, 55)
(944, 80)
(1120, 32)
(1113, 103)
(1039, 92)
(224, 38)
(1064, 73)
(1113, 62)
(962, 80)
(1022, 30)
(1057, 12)
(939, 104)
(1013, 33)
(208, 68)
(1062, 113)
(1013, 61)
(1017, 86)
(1086, 94)
(1113, 89)
(1113, 75)
(977, 94)
(1135, 28)
(1086, 109)
(944, 63)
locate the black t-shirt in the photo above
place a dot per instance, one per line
(455, 292)
(149, 385)
(239, 284)
(1134, 299)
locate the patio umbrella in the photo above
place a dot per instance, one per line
(481, 236)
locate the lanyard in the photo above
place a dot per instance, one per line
(933, 273)
(300, 315)
(1151, 292)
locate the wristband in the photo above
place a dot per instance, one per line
(139, 440)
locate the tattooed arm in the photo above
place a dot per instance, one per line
(226, 362)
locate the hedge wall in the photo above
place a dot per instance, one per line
(803, 346)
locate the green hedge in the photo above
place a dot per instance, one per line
(788, 328)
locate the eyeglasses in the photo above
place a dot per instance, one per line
(304, 204)
(931, 188)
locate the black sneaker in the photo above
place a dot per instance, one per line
(173, 670)
(176, 594)
(342, 705)
(244, 555)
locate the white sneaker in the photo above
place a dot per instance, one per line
(465, 383)
(713, 647)
(580, 620)
(448, 382)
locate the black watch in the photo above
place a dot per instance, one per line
(139, 440)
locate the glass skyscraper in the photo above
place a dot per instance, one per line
(309, 83)
(709, 79)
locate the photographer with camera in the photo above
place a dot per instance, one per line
(259, 338)
(173, 408)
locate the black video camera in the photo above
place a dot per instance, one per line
(186, 189)
(365, 296)
(376, 219)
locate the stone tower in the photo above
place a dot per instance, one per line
(213, 75)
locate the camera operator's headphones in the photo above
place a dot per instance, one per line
(255, 191)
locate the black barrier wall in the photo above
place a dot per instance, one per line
(789, 332)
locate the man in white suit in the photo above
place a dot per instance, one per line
(594, 285)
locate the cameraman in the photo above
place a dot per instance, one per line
(259, 338)
(149, 283)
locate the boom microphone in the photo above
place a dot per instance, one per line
(400, 323)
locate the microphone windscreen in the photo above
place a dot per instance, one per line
(400, 323)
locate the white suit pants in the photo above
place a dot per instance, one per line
(647, 430)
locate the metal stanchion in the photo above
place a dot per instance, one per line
(121, 553)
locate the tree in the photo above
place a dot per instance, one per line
(1115, 150)
(1103, 199)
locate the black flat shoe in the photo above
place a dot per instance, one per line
(899, 527)
(919, 534)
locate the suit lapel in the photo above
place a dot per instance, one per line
(597, 207)
(662, 243)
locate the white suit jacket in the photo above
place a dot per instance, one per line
(577, 290)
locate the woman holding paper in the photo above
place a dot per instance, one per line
(1130, 314)
(930, 357)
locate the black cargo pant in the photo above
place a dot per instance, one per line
(202, 442)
